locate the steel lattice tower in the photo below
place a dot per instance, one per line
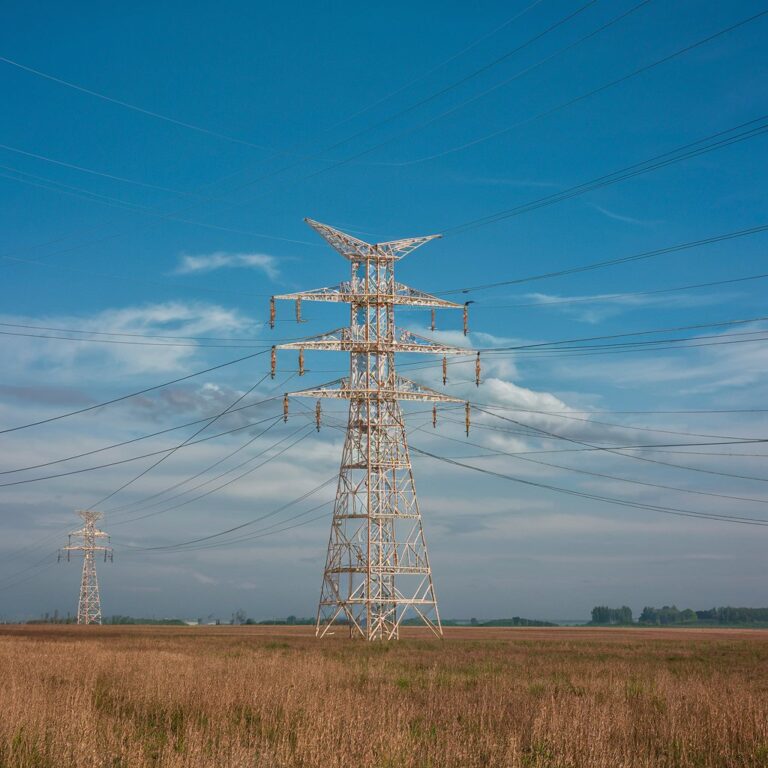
(377, 567)
(87, 542)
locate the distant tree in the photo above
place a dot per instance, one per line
(623, 615)
(602, 614)
(515, 621)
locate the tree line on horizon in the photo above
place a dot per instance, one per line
(671, 615)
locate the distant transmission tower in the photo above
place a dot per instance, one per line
(377, 566)
(86, 541)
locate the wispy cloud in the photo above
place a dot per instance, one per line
(209, 262)
(502, 181)
(729, 365)
(63, 361)
(620, 217)
(597, 307)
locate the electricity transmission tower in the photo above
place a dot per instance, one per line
(87, 541)
(377, 568)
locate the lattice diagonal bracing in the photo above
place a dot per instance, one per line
(377, 569)
(87, 541)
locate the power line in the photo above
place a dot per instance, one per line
(215, 464)
(553, 348)
(130, 395)
(672, 329)
(174, 215)
(135, 335)
(86, 194)
(188, 545)
(611, 297)
(440, 65)
(27, 578)
(141, 503)
(307, 431)
(652, 447)
(138, 280)
(43, 182)
(144, 437)
(246, 524)
(582, 97)
(684, 152)
(141, 517)
(441, 92)
(31, 567)
(93, 172)
(571, 417)
(618, 451)
(131, 459)
(648, 413)
(274, 421)
(499, 452)
(254, 345)
(135, 108)
(548, 349)
(682, 342)
(611, 262)
(261, 533)
(180, 445)
(280, 170)
(543, 435)
(646, 346)
(685, 342)
(743, 520)
(495, 87)
(135, 343)
(216, 489)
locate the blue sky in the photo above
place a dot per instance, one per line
(172, 203)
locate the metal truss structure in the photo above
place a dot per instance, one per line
(377, 569)
(87, 541)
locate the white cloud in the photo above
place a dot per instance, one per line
(696, 370)
(598, 307)
(208, 262)
(64, 361)
(501, 181)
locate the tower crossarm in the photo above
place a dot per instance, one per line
(95, 532)
(84, 547)
(404, 389)
(353, 340)
(355, 292)
(354, 249)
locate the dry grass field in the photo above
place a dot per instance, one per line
(269, 697)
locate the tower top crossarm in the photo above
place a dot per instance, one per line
(354, 249)
(88, 534)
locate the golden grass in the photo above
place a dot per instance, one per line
(131, 697)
